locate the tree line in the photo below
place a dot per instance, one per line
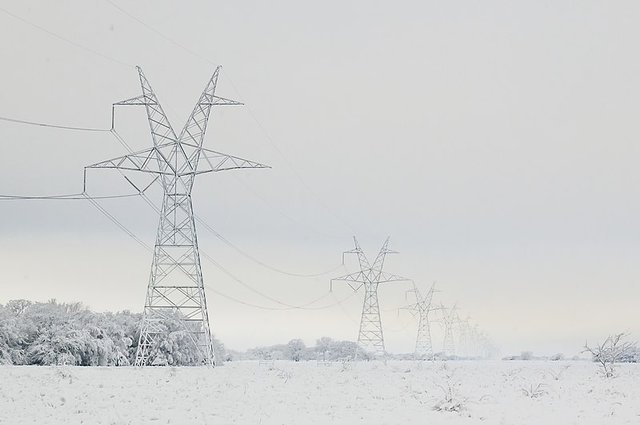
(52, 333)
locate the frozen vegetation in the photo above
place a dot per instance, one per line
(288, 383)
(313, 392)
(54, 333)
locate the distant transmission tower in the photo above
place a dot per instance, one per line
(370, 276)
(449, 320)
(176, 288)
(422, 308)
(464, 349)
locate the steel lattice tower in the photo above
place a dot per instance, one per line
(176, 287)
(463, 336)
(422, 308)
(448, 319)
(370, 335)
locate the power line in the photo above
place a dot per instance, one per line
(282, 213)
(234, 277)
(251, 113)
(121, 226)
(63, 127)
(306, 306)
(157, 32)
(148, 248)
(71, 197)
(221, 237)
(66, 40)
(286, 160)
(117, 222)
(342, 309)
(257, 261)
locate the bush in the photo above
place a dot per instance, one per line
(54, 333)
(613, 350)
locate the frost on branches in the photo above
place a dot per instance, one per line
(613, 350)
(68, 334)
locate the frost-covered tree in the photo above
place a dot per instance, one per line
(55, 333)
(295, 350)
(613, 350)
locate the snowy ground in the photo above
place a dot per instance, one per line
(509, 393)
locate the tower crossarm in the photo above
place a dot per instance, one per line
(212, 161)
(414, 309)
(384, 277)
(135, 101)
(354, 280)
(148, 161)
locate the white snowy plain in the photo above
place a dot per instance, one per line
(400, 392)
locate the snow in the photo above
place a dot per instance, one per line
(283, 392)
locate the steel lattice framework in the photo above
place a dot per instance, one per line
(464, 330)
(370, 276)
(448, 319)
(176, 287)
(421, 308)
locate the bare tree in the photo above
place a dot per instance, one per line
(613, 350)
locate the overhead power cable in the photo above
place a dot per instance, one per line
(66, 40)
(63, 127)
(251, 113)
(288, 163)
(240, 281)
(148, 248)
(92, 200)
(306, 306)
(257, 261)
(221, 237)
(117, 222)
(157, 32)
(71, 197)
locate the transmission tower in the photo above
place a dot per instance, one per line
(464, 349)
(421, 309)
(449, 320)
(370, 276)
(176, 288)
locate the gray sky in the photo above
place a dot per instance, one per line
(496, 142)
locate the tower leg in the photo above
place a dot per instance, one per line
(370, 335)
(175, 300)
(449, 345)
(424, 348)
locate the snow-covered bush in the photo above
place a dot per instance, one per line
(55, 333)
(534, 391)
(613, 350)
(452, 400)
(328, 349)
(295, 350)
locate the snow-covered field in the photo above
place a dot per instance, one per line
(509, 393)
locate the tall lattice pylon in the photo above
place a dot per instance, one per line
(370, 336)
(448, 320)
(176, 288)
(421, 308)
(464, 327)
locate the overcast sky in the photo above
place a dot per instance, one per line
(495, 141)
